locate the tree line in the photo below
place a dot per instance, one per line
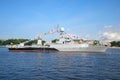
(18, 41)
(115, 43)
(12, 41)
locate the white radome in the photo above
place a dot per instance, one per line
(62, 29)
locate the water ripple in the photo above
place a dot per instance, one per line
(59, 66)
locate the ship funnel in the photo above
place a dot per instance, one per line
(39, 42)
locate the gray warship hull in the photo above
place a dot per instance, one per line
(60, 48)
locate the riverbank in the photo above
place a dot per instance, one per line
(114, 47)
(2, 46)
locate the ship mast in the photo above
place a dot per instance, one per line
(62, 32)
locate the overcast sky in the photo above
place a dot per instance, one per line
(87, 18)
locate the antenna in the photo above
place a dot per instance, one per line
(57, 27)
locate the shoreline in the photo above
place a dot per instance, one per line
(114, 47)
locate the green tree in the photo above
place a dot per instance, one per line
(96, 42)
(43, 42)
(118, 43)
(54, 41)
(1, 41)
(34, 41)
(113, 43)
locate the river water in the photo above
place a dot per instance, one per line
(59, 66)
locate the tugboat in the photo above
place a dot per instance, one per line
(65, 43)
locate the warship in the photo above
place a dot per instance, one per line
(65, 43)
